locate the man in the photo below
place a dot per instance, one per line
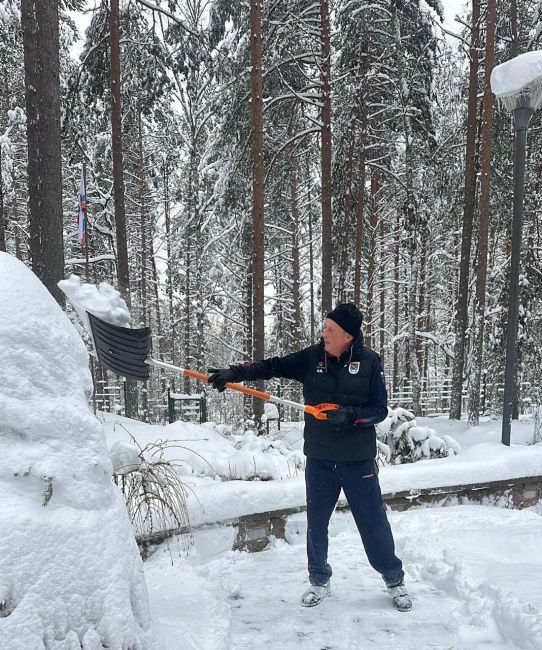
(340, 450)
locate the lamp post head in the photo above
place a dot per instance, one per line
(517, 83)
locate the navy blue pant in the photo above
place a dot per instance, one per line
(324, 480)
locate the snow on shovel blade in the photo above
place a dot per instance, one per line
(121, 349)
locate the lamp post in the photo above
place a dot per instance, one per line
(518, 85)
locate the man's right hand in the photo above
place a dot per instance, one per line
(220, 377)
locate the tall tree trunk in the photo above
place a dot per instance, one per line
(485, 186)
(143, 219)
(371, 262)
(2, 213)
(421, 299)
(143, 237)
(311, 274)
(15, 217)
(123, 275)
(515, 50)
(327, 243)
(396, 304)
(360, 208)
(257, 189)
(345, 243)
(188, 257)
(169, 272)
(514, 44)
(382, 278)
(159, 325)
(468, 215)
(411, 213)
(118, 165)
(249, 346)
(198, 343)
(41, 62)
(296, 294)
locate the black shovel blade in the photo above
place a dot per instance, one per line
(121, 349)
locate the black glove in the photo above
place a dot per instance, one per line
(220, 377)
(342, 415)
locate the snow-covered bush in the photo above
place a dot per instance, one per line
(154, 494)
(401, 440)
(259, 458)
(205, 450)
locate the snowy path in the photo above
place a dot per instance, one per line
(357, 614)
(461, 561)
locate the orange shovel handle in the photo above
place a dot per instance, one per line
(240, 389)
(319, 410)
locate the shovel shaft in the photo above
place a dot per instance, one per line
(318, 411)
(203, 377)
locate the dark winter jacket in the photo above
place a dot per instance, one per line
(355, 379)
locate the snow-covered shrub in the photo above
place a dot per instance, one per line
(401, 440)
(209, 450)
(154, 494)
(259, 458)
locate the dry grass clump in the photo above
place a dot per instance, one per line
(155, 496)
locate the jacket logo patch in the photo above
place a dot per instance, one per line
(320, 367)
(353, 368)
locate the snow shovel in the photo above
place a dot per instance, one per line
(126, 351)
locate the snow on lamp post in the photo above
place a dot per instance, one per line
(517, 84)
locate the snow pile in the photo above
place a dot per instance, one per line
(70, 571)
(124, 457)
(203, 450)
(258, 457)
(474, 573)
(401, 440)
(271, 412)
(104, 301)
(490, 562)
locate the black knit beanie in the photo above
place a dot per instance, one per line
(348, 316)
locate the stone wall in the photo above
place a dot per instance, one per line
(252, 532)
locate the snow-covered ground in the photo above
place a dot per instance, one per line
(475, 575)
(71, 577)
(205, 453)
(475, 572)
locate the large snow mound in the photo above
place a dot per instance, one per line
(70, 572)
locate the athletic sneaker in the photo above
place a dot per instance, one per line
(400, 597)
(314, 595)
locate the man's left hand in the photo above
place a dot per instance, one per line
(342, 415)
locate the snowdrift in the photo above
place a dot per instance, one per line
(70, 572)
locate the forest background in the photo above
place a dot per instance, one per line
(250, 164)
